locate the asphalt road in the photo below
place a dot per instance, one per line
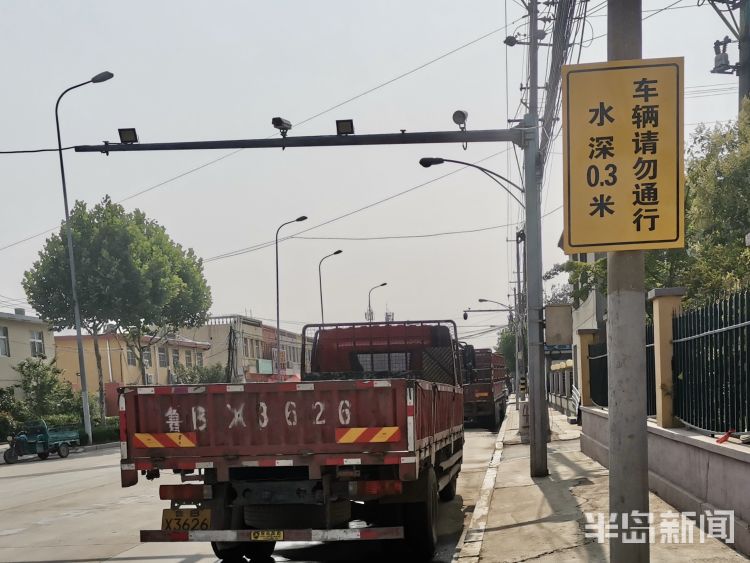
(74, 510)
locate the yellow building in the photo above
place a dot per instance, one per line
(22, 336)
(120, 364)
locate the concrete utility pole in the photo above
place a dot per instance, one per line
(744, 45)
(626, 341)
(520, 363)
(538, 423)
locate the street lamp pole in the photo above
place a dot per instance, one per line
(101, 77)
(278, 318)
(369, 301)
(320, 281)
(495, 302)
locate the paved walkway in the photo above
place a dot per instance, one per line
(542, 519)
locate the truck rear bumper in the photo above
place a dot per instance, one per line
(349, 534)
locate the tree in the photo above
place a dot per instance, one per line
(506, 345)
(166, 291)
(196, 374)
(45, 392)
(101, 241)
(129, 273)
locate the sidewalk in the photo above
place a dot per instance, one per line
(542, 519)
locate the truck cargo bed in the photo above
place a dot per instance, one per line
(311, 424)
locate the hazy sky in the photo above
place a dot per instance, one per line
(193, 70)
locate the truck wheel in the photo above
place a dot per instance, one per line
(43, 455)
(449, 491)
(237, 552)
(10, 456)
(63, 450)
(420, 521)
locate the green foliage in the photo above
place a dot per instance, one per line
(102, 434)
(583, 277)
(506, 345)
(101, 240)
(70, 419)
(168, 290)
(129, 272)
(7, 425)
(211, 374)
(44, 391)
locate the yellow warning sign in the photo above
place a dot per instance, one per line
(623, 155)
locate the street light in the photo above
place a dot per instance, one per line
(369, 301)
(432, 161)
(495, 302)
(320, 280)
(278, 321)
(101, 77)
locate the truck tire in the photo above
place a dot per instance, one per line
(420, 520)
(63, 450)
(237, 552)
(43, 455)
(10, 456)
(449, 491)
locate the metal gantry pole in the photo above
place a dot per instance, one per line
(533, 230)
(626, 341)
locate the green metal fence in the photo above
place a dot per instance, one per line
(710, 365)
(598, 373)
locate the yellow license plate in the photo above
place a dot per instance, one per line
(186, 519)
(480, 394)
(266, 535)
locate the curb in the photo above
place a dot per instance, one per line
(470, 544)
(96, 447)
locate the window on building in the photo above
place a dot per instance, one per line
(147, 357)
(163, 361)
(258, 348)
(199, 359)
(4, 341)
(37, 343)
(246, 347)
(188, 358)
(175, 358)
(131, 358)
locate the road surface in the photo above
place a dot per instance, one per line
(74, 510)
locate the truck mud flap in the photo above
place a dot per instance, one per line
(349, 534)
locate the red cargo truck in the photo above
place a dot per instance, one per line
(360, 449)
(485, 389)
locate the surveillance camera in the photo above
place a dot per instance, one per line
(460, 116)
(281, 124)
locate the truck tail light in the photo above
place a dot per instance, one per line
(375, 488)
(185, 492)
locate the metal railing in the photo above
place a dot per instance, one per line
(598, 374)
(711, 362)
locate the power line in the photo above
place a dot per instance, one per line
(345, 215)
(427, 235)
(651, 15)
(304, 121)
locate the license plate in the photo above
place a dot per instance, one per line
(480, 394)
(266, 535)
(186, 519)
